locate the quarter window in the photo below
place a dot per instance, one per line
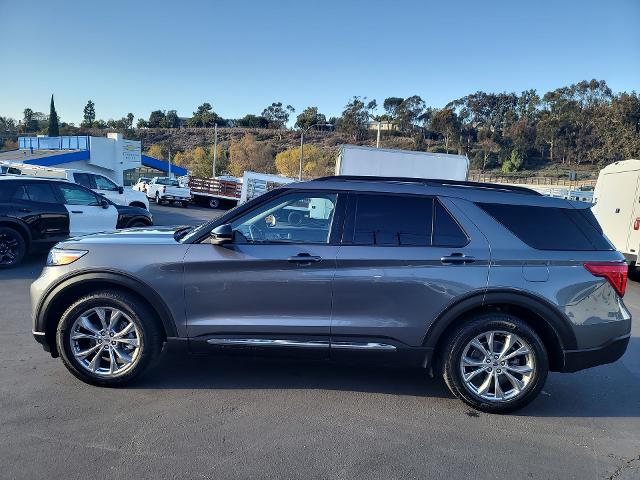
(13, 191)
(74, 195)
(293, 218)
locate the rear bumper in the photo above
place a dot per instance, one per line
(611, 351)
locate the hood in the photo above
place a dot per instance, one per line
(138, 236)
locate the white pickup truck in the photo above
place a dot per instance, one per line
(165, 189)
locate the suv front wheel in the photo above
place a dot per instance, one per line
(496, 363)
(108, 338)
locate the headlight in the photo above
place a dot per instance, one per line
(58, 257)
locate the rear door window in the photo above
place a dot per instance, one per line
(549, 228)
(41, 192)
(393, 220)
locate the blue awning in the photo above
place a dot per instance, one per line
(162, 165)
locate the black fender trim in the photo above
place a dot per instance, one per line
(552, 316)
(114, 277)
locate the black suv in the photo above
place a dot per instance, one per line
(38, 212)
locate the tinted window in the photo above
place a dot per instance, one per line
(41, 192)
(74, 195)
(103, 183)
(292, 218)
(446, 231)
(547, 228)
(167, 181)
(12, 191)
(393, 220)
(83, 179)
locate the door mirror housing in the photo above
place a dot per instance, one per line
(104, 203)
(221, 235)
(120, 190)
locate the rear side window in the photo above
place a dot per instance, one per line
(83, 179)
(41, 192)
(549, 228)
(390, 220)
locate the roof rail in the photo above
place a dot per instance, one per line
(431, 182)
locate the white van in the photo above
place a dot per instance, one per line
(95, 181)
(617, 206)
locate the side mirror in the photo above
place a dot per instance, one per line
(120, 190)
(221, 234)
(104, 203)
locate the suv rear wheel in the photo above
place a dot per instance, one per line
(12, 247)
(108, 338)
(496, 363)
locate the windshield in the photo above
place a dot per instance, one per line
(168, 181)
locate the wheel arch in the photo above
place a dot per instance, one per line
(138, 204)
(58, 297)
(545, 319)
(21, 227)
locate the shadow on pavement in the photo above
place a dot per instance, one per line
(184, 371)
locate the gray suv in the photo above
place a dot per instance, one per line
(492, 286)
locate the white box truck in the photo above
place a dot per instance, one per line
(384, 162)
(617, 206)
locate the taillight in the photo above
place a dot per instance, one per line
(615, 273)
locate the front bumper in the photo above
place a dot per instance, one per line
(611, 351)
(40, 337)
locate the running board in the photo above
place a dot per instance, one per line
(265, 342)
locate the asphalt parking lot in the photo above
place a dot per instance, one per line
(194, 417)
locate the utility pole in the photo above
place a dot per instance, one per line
(215, 147)
(378, 136)
(169, 161)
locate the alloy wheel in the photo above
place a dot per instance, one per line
(9, 249)
(105, 341)
(497, 366)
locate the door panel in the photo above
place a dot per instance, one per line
(86, 219)
(39, 207)
(256, 289)
(86, 214)
(395, 292)
(275, 278)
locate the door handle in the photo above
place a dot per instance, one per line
(304, 258)
(77, 211)
(26, 210)
(457, 259)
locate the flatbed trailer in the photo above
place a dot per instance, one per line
(212, 191)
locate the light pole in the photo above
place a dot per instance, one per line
(302, 132)
(215, 147)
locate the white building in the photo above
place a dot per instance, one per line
(112, 156)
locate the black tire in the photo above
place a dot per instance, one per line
(214, 202)
(13, 247)
(185, 204)
(144, 319)
(454, 349)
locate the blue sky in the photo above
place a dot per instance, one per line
(242, 55)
